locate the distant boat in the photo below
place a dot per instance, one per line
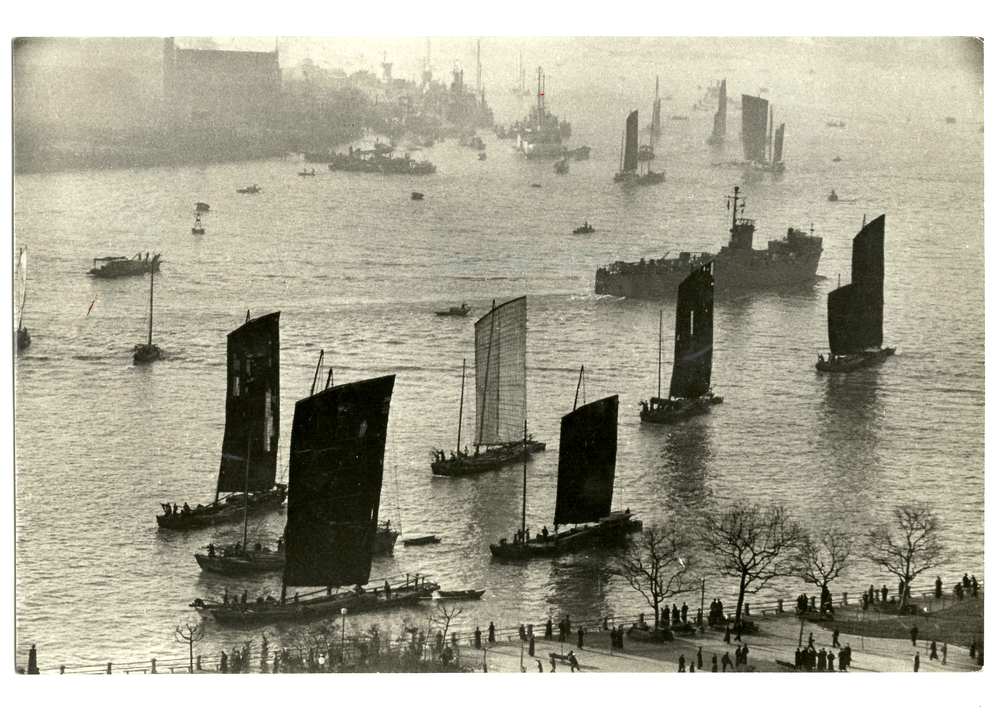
(836, 124)
(588, 447)
(461, 594)
(581, 230)
(22, 339)
(950, 121)
(630, 173)
(424, 540)
(562, 166)
(455, 311)
(757, 136)
(250, 441)
(416, 196)
(249, 190)
(198, 229)
(833, 196)
(837, 158)
(691, 381)
(120, 266)
(335, 481)
(501, 396)
(854, 311)
(308, 173)
(201, 206)
(148, 352)
(718, 136)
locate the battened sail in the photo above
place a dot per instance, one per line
(335, 482)
(501, 373)
(654, 126)
(854, 311)
(588, 446)
(719, 127)
(252, 407)
(779, 141)
(754, 128)
(692, 376)
(20, 289)
(631, 159)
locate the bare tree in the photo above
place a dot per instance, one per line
(190, 635)
(820, 560)
(908, 545)
(752, 544)
(446, 613)
(657, 563)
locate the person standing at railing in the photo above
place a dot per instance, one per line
(937, 588)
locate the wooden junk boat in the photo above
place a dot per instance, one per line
(631, 172)
(691, 381)
(250, 442)
(335, 481)
(148, 352)
(854, 311)
(501, 395)
(22, 339)
(588, 447)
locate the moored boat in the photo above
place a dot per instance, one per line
(148, 352)
(691, 381)
(631, 172)
(22, 339)
(462, 311)
(854, 311)
(120, 266)
(253, 189)
(423, 540)
(201, 206)
(761, 150)
(250, 442)
(461, 594)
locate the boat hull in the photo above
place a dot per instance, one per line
(493, 458)
(609, 531)
(244, 565)
(265, 613)
(735, 272)
(852, 362)
(678, 410)
(126, 268)
(228, 512)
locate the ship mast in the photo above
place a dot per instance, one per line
(659, 357)
(152, 267)
(461, 401)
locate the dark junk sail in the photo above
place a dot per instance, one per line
(719, 126)
(335, 481)
(250, 442)
(691, 381)
(854, 311)
(631, 159)
(754, 129)
(588, 445)
(252, 407)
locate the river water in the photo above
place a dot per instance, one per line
(357, 269)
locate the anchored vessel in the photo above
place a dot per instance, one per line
(691, 381)
(250, 442)
(787, 262)
(22, 339)
(631, 171)
(120, 266)
(501, 395)
(588, 447)
(542, 133)
(854, 311)
(148, 352)
(335, 481)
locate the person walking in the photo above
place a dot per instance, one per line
(934, 650)
(727, 662)
(715, 662)
(916, 662)
(531, 645)
(574, 665)
(699, 658)
(913, 634)
(680, 665)
(727, 638)
(836, 637)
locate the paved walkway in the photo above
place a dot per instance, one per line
(777, 640)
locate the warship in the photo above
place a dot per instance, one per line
(787, 262)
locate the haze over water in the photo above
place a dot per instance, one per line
(358, 269)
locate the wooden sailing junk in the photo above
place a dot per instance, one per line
(335, 482)
(588, 446)
(630, 164)
(854, 311)
(757, 136)
(250, 443)
(22, 339)
(148, 352)
(691, 381)
(501, 395)
(718, 136)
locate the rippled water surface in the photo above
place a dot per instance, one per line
(357, 269)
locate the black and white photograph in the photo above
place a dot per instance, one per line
(498, 354)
